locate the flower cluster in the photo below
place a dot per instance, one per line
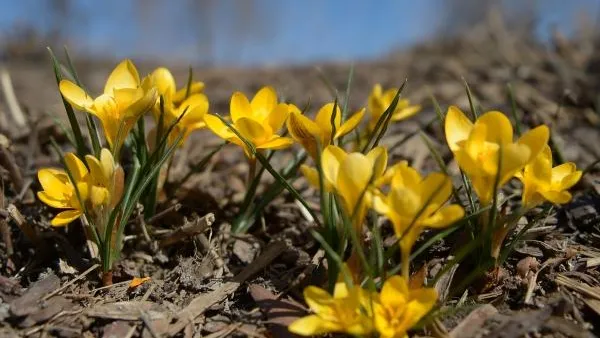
(349, 168)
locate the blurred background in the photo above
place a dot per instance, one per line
(265, 32)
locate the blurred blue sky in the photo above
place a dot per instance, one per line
(245, 32)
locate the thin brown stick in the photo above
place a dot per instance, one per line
(71, 282)
(190, 229)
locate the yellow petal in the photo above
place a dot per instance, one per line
(118, 186)
(142, 105)
(445, 216)
(239, 106)
(54, 181)
(311, 175)
(125, 75)
(436, 189)
(99, 195)
(498, 127)
(164, 81)
(218, 127)
(323, 118)
(76, 96)
(570, 180)
(422, 301)
(264, 102)
(331, 158)
(276, 142)
(319, 301)
(403, 201)
(394, 293)
(107, 161)
(312, 325)
(304, 131)
(65, 217)
(196, 88)
(535, 139)
(277, 116)
(195, 107)
(556, 197)
(406, 177)
(514, 158)
(252, 130)
(354, 176)
(76, 167)
(378, 157)
(53, 201)
(404, 110)
(457, 127)
(350, 124)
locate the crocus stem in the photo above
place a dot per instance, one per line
(107, 278)
(251, 170)
(405, 263)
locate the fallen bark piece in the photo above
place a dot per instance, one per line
(47, 310)
(522, 323)
(130, 310)
(30, 301)
(473, 322)
(116, 329)
(280, 313)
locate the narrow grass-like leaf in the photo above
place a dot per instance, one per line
(77, 135)
(91, 124)
(474, 112)
(190, 79)
(347, 94)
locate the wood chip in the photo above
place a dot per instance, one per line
(205, 301)
(116, 329)
(473, 322)
(580, 287)
(30, 301)
(280, 313)
(46, 311)
(130, 310)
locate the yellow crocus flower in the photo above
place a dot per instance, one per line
(380, 101)
(351, 176)
(478, 147)
(106, 179)
(319, 132)
(195, 105)
(59, 192)
(123, 101)
(258, 121)
(399, 308)
(415, 203)
(347, 311)
(543, 182)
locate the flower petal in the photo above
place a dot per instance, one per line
(76, 96)
(76, 167)
(239, 106)
(125, 75)
(196, 88)
(311, 175)
(312, 325)
(556, 197)
(276, 142)
(323, 119)
(264, 102)
(457, 127)
(218, 127)
(445, 216)
(277, 116)
(354, 176)
(53, 201)
(164, 82)
(535, 139)
(498, 127)
(65, 217)
(195, 107)
(304, 131)
(331, 157)
(378, 157)
(435, 189)
(251, 130)
(395, 292)
(350, 124)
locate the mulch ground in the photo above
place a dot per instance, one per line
(206, 281)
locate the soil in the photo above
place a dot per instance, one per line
(216, 284)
